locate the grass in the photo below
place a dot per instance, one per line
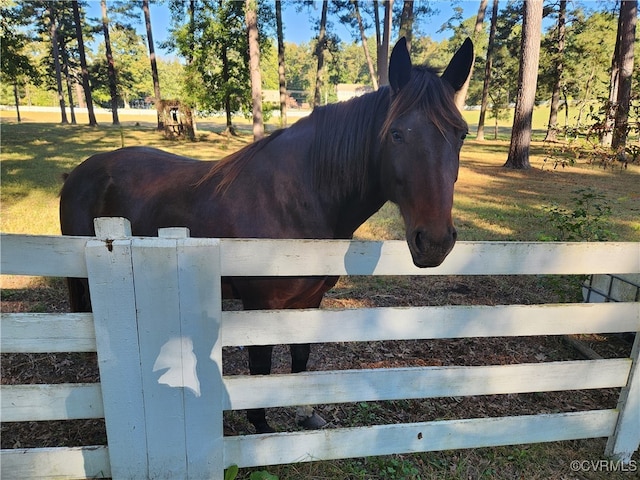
(531, 462)
(36, 155)
(492, 203)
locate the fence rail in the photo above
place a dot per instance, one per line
(158, 328)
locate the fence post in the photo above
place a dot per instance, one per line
(626, 437)
(113, 300)
(162, 352)
(199, 295)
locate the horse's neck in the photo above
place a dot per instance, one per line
(352, 217)
(354, 209)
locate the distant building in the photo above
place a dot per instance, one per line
(345, 91)
(273, 96)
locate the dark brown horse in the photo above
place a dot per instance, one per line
(320, 178)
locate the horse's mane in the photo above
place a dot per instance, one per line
(231, 165)
(345, 138)
(346, 134)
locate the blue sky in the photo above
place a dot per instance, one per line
(298, 27)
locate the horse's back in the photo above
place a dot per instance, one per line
(118, 183)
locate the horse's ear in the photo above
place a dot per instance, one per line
(399, 66)
(459, 67)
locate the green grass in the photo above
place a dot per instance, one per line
(532, 462)
(36, 155)
(491, 203)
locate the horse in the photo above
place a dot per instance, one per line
(320, 178)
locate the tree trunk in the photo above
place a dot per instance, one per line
(363, 38)
(251, 17)
(227, 99)
(152, 58)
(487, 71)
(614, 83)
(383, 48)
(461, 95)
(552, 127)
(527, 79)
(16, 97)
(83, 64)
(406, 22)
(376, 21)
(282, 79)
(320, 49)
(111, 68)
(67, 79)
(628, 16)
(192, 40)
(53, 31)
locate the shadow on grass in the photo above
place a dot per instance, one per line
(35, 155)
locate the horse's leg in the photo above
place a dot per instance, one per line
(299, 357)
(79, 299)
(273, 294)
(260, 364)
(306, 416)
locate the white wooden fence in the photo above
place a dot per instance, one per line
(159, 330)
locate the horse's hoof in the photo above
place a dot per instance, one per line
(312, 422)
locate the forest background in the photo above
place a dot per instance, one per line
(208, 65)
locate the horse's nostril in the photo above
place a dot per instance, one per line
(423, 243)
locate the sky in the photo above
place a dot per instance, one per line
(298, 27)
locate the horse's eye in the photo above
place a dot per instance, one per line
(463, 136)
(396, 136)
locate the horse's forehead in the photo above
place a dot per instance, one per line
(421, 122)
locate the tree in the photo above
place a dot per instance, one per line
(251, 17)
(383, 41)
(461, 95)
(626, 35)
(214, 41)
(111, 69)
(282, 79)
(406, 22)
(527, 79)
(365, 47)
(321, 47)
(130, 55)
(53, 32)
(184, 43)
(587, 62)
(552, 127)
(152, 59)
(86, 86)
(15, 65)
(487, 71)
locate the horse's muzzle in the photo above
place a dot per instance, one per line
(428, 251)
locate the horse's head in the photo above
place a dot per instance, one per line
(422, 136)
